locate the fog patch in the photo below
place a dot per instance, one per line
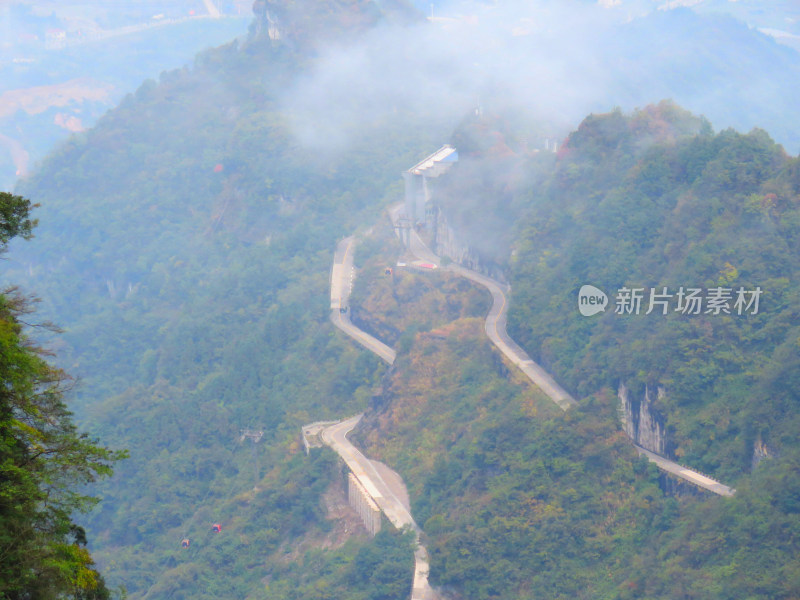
(553, 62)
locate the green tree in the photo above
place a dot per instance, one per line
(44, 460)
(15, 218)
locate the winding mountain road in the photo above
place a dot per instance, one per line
(495, 324)
(342, 275)
(495, 327)
(335, 436)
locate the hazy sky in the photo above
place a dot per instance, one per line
(556, 61)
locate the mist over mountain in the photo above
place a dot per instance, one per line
(555, 62)
(185, 245)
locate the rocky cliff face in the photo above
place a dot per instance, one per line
(447, 242)
(760, 452)
(266, 21)
(641, 421)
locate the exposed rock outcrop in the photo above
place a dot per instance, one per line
(447, 242)
(760, 451)
(641, 421)
(266, 21)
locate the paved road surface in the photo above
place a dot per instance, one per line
(687, 474)
(495, 327)
(495, 324)
(335, 436)
(342, 276)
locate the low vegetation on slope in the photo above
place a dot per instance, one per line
(517, 499)
(394, 303)
(513, 497)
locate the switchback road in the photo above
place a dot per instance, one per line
(342, 276)
(335, 436)
(495, 327)
(495, 324)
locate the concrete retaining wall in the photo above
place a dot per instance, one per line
(364, 505)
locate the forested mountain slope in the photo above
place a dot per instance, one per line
(657, 200)
(515, 502)
(186, 245)
(65, 64)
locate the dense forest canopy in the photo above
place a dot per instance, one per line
(194, 300)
